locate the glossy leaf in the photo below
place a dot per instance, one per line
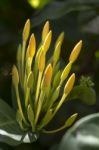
(84, 135)
(10, 131)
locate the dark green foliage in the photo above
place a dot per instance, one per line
(10, 131)
(84, 135)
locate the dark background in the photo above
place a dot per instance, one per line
(79, 19)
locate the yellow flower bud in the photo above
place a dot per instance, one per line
(75, 52)
(56, 54)
(66, 72)
(60, 39)
(26, 30)
(41, 61)
(48, 75)
(15, 76)
(69, 85)
(47, 41)
(45, 31)
(32, 46)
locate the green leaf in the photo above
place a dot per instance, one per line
(10, 131)
(84, 135)
(85, 94)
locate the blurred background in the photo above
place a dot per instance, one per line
(79, 19)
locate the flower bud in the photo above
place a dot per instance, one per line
(48, 75)
(45, 31)
(41, 61)
(32, 46)
(47, 41)
(75, 52)
(60, 38)
(69, 85)
(66, 72)
(26, 30)
(56, 54)
(71, 120)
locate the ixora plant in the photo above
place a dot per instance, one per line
(37, 85)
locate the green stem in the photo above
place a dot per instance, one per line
(27, 97)
(54, 131)
(57, 108)
(40, 102)
(38, 87)
(23, 58)
(20, 107)
(59, 104)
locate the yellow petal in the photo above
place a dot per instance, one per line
(66, 72)
(26, 30)
(41, 61)
(45, 31)
(69, 85)
(47, 41)
(32, 46)
(48, 75)
(60, 38)
(75, 52)
(56, 54)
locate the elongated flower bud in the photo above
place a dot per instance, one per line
(45, 31)
(41, 61)
(32, 46)
(71, 120)
(48, 75)
(60, 38)
(57, 53)
(26, 30)
(66, 72)
(15, 76)
(69, 85)
(47, 41)
(75, 52)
